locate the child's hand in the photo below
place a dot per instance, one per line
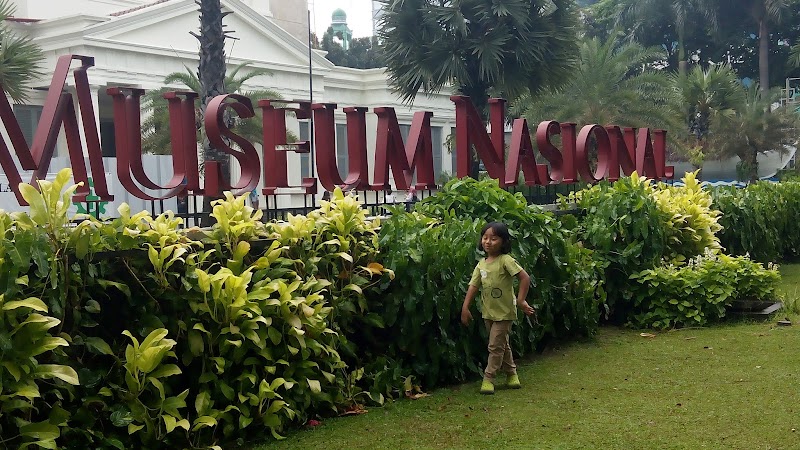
(526, 308)
(466, 317)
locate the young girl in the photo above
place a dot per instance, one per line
(493, 276)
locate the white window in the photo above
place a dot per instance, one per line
(28, 117)
(305, 158)
(341, 149)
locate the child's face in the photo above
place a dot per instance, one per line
(492, 243)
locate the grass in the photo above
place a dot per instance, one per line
(730, 386)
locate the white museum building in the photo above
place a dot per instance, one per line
(137, 43)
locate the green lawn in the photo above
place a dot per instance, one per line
(731, 386)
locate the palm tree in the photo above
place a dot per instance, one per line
(155, 128)
(19, 58)
(764, 14)
(611, 85)
(678, 12)
(211, 74)
(794, 56)
(755, 128)
(706, 95)
(478, 46)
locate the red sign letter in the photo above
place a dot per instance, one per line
(216, 128)
(58, 109)
(390, 150)
(470, 130)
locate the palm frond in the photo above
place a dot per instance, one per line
(476, 46)
(19, 58)
(794, 56)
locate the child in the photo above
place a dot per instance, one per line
(493, 276)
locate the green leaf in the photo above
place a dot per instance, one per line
(196, 344)
(30, 302)
(119, 286)
(354, 287)
(314, 385)
(121, 418)
(169, 422)
(30, 391)
(202, 403)
(166, 370)
(274, 335)
(98, 346)
(64, 373)
(41, 431)
(204, 421)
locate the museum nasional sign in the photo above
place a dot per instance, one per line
(617, 148)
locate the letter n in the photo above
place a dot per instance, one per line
(470, 130)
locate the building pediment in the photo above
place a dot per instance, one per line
(164, 27)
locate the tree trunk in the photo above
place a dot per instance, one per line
(763, 54)
(754, 165)
(211, 73)
(682, 64)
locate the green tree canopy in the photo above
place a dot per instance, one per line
(478, 47)
(794, 58)
(364, 53)
(19, 58)
(754, 29)
(640, 15)
(704, 96)
(612, 85)
(755, 128)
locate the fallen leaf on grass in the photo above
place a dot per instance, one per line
(415, 396)
(354, 410)
(647, 335)
(690, 338)
(313, 423)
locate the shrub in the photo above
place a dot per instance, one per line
(635, 224)
(698, 292)
(32, 412)
(433, 252)
(692, 224)
(627, 230)
(337, 243)
(760, 220)
(179, 339)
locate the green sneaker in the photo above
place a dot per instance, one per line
(487, 388)
(513, 382)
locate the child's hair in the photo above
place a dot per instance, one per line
(500, 230)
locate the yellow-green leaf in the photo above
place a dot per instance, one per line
(315, 385)
(30, 302)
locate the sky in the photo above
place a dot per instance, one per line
(359, 15)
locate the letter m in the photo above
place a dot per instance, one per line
(59, 108)
(390, 152)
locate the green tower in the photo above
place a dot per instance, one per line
(340, 28)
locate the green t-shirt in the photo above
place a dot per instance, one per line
(495, 280)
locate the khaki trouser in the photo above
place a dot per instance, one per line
(500, 357)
